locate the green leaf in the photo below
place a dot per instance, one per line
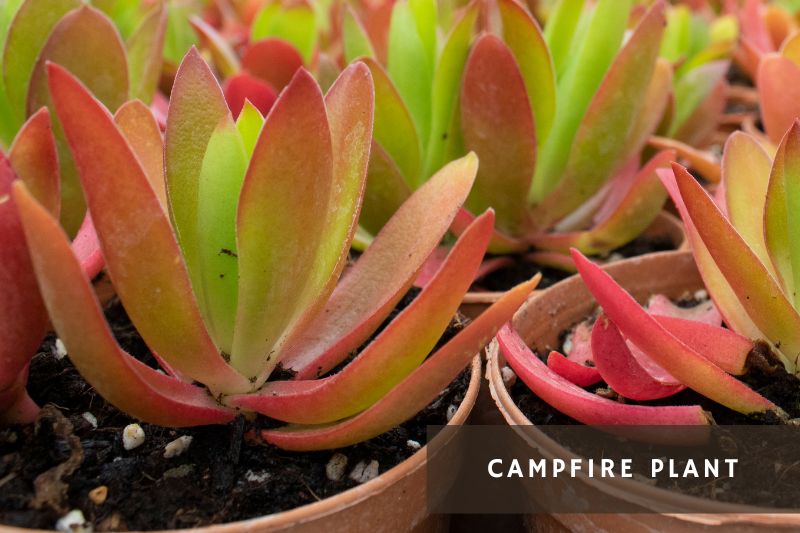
(249, 124)
(577, 88)
(561, 30)
(145, 48)
(196, 108)
(355, 40)
(220, 183)
(394, 126)
(522, 35)
(409, 64)
(445, 129)
(599, 146)
(27, 34)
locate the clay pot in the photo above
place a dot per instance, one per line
(666, 226)
(395, 501)
(539, 322)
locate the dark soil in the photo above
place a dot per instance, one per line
(227, 474)
(523, 270)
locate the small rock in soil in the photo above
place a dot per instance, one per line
(364, 472)
(508, 376)
(90, 418)
(177, 446)
(179, 471)
(60, 349)
(132, 436)
(98, 495)
(451, 411)
(253, 477)
(335, 468)
(74, 522)
(414, 445)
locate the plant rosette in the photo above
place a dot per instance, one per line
(539, 324)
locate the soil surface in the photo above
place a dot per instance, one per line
(765, 375)
(523, 270)
(226, 474)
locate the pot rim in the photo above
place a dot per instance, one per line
(701, 510)
(339, 502)
(671, 225)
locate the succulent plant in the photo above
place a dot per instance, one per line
(70, 32)
(558, 117)
(232, 268)
(764, 28)
(745, 250)
(31, 159)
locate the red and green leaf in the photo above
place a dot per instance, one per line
(585, 406)
(778, 85)
(77, 317)
(145, 47)
(414, 392)
(497, 123)
(272, 60)
(137, 123)
(369, 290)
(670, 353)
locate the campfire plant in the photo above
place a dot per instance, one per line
(31, 159)
(232, 267)
(558, 118)
(746, 251)
(85, 40)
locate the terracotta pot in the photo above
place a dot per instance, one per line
(395, 501)
(666, 226)
(539, 321)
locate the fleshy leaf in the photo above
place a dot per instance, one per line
(137, 123)
(635, 212)
(585, 406)
(34, 159)
(779, 229)
(580, 375)
(249, 124)
(394, 126)
(718, 287)
(287, 187)
(272, 60)
(680, 360)
(391, 356)
(755, 288)
(156, 292)
(355, 41)
(694, 87)
(778, 85)
(621, 370)
(576, 88)
(145, 47)
(497, 123)
(243, 87)
(223, 55)
(23, 318)
(745, 170)
(414, 392)
(409, 65)
(705, 312)
(703, 162)
(444, 97)
(221, 178)
(27, 34)
(721, 346)
(594, 148)
(122, 380)
(83, 33)
(560, 32)
(368, 292)
(196, 107)
(386, 190)
(525, 40)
